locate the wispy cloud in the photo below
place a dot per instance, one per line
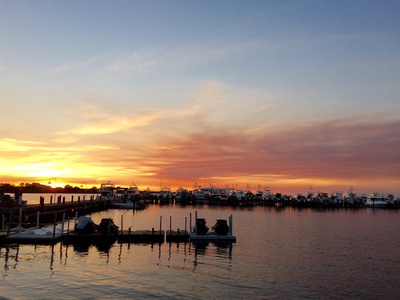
(75, 66)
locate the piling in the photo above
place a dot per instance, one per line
(62, 223)
(55, 224)
(230, 225)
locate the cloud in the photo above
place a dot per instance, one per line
(75, 66)
(335, 149)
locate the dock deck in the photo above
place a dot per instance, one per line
(212, 236)
(141, 236)
(34, 236)
(177, 236)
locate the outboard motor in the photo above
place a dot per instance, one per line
(221, 227)
(107, 226)
(201, 226)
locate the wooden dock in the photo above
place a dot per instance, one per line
(177, 236)
(212, 237)
(43, 235)
(73, 238)
(141, 236)
(27, 215)
(196, 235)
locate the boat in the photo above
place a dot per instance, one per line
(376, 200)
(200, 195)
(108, 191)
(182, 195)
(133, 192)
(240, 195)
(165, 195)
(87, 232)
(221, 231)
(128, 204)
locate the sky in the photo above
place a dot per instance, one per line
(290, 95)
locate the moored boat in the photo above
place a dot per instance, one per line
(376, 200)
(221, 231)
(87, 232)
(108, 191)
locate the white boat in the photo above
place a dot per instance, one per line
(133, 192)
(128, 204)
(182, 195)
(337, 198)
(199, 195)
(164, 195)
(376, 200)
(108, 191)
(240, 195)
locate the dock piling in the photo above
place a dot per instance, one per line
(20, 220)
(230, 225)
(55, 224)
(62, 223)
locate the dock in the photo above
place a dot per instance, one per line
(43, 235)
(52, 234)
(28, 214)
(72, 238)
(177, 236)
(199, 235)
(141, 236)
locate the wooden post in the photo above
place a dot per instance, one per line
(190, 223)
(62, 224)
(20, 219)
(37, 219)
(160, 223)
(122, 223)
(230, 225)
(9, 223)
(55, 224)
(195, 222)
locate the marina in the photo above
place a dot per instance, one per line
(107, 232)
(278, 253)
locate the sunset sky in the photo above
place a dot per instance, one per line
(286, 94)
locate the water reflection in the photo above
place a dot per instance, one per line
(11, 254)
(223, 249)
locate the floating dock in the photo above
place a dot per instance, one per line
(212, 236)
(141, 236)
(177, 236)
(90, 238)
(34, 236)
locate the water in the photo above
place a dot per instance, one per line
(280, 253)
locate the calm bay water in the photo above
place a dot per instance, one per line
(280, 253)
